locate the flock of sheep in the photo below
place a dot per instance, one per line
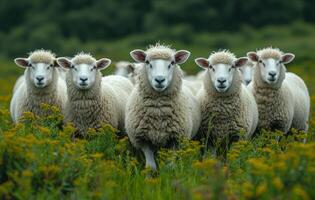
(155, 104)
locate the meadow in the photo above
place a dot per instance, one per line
(40, 160)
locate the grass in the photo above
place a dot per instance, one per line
(40, 161)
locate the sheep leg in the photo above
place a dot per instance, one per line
(149, 157)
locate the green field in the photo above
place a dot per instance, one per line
(39, 160)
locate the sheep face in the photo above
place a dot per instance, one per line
(160, 71)
(247, 73)
(84, 74)
(270, 68)
(123, 68)
(221, 75)
(41, 74)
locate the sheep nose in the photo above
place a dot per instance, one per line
(272, 74)
(247, 82)
(83, 79)
(221, 80)
(39, 78)
(159, 79)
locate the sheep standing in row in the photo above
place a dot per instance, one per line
(40, 84)
(247, 71)
(93, 100)
(227, 106)
(282, 98)
(160, 109)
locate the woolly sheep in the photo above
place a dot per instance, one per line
(39, 84)
(193, 86)
(227, 106)
(247, 72)
(160, 109)
(282, 98)
(93, 100)
(18, 82)
(123, 68)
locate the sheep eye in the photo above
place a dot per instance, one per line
(30, 65)
(147, 62)
(151, 66)
(230, 69)
(260, 61)
(169, 66)
(93, 68)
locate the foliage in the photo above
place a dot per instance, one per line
(40, 160)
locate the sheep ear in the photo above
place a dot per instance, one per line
(56, 63)
(253, 56)
(203, 63)
(240, 62)
(287, 58)
(22, 62)
(131, 67)
(103, 63)
(64, 62)
(181, 56)
(138, 55)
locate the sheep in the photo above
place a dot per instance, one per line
(160, 109)
(123, 68)
(93, 99)
(247, 72)
(193, 82)
(18, 82)
(282, 98)
(39, 84)
(227, 106)
(194, 86)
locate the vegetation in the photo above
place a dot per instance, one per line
(40, 160)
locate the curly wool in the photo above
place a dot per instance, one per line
(160, 51)
(83, 58)
(223, 57)
(226, 113)
(27, 97)
(160, 118)
(42, 56)
(270, 52)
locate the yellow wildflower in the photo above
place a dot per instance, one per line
(277, 183)
(299, 192)
(262, 188)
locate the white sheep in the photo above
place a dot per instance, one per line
(160, 109)
(193, 85)
(227, 106)
(93, 100)
(40, 84)
(123, 68)
(282, 98)
(247, 71)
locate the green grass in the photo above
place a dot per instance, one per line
(39, 160)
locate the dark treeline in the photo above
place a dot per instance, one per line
(38, 21)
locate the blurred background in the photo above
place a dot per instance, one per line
(113, 28)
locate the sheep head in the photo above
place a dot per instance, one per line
(84, 69)
(39, 64)
(221, 68)
(160, 62)
(270, 62)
